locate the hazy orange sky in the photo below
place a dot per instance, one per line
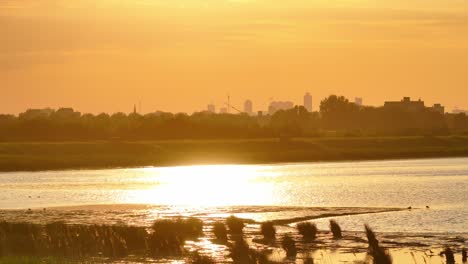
(180, 55)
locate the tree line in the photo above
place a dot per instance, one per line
(337, 116)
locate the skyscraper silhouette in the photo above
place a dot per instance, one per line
(308, 102)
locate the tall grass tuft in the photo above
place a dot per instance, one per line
(307, 230)
(289, 245)
(335, 229)
(379, 254)
(268, 230)
(169, 236)
(220, 232)
(449, 257)
(235, 225)
(241, 252)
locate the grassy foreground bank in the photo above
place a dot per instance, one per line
(32, 156)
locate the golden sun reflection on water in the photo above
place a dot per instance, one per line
(201, 186)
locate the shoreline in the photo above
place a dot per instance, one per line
(57, 156)
(143, 214)
(234, 164)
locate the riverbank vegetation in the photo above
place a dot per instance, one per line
(165, 240)
(32, 156)
(336, 117)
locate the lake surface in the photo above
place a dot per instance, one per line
(441, 184)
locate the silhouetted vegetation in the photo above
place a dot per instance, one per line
(62, 243)
(449, 257)
(169, 236)
(337, 116)
(220, 232)
(268, 230)
(379, 254)
(61, 240)
(166, 238)
(335, 229)
(242, 253)
(340, 131)
(235, 225)
(307, 230)
(289, 245)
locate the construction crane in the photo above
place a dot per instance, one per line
(230, 106)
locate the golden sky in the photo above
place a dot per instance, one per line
(180, 55)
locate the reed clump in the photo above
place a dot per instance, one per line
(379, 254)
(168, 236)
(307, 230)
(335, 229)
(268, 230)
(235, 225)
(82, 241)
(241, 253)
(449, 256)
(289, 245)
(220, 232)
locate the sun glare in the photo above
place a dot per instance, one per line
(213, 185)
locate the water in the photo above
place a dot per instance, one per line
(441, 184)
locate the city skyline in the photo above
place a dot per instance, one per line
(237, 102)
(405, 103)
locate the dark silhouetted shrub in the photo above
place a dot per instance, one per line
(220, 232)
(307, 230)
(235, 225)
(335, 229)
(289, 245)
(379, 254)
(268, 230)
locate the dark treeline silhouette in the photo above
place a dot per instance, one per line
(337, 116)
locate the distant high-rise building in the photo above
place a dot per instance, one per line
(308, 102)
(358, 101)
(406, 105)
(223, 110)
(438, 108)
(248, 107)
(211, 108)
(413, 106)
(279, 105)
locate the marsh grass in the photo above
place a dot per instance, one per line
(449, 256)
(268, 231)
(235, 225)
(289, 246)
(168, 236)
(62, 243)
(33, 156)
(379, 254)
(241, 253)
(307, 230)
(220, 232)
(335, 229)
(58, 239)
